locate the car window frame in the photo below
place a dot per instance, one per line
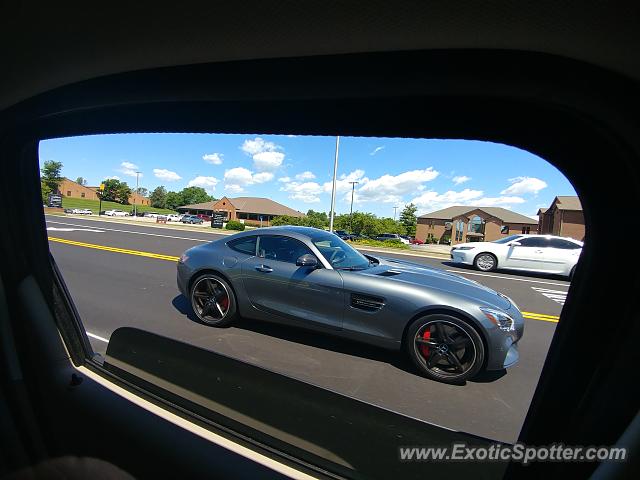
(237, 240)
(532, 239)
(320, 263)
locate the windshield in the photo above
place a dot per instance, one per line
(338, 253)
(508, 239)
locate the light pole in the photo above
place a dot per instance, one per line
(395, 210)
(135, 205)
(333, 190)
(353, 189)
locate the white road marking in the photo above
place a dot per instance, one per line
(97, 337)
(505, 277)
(557, 296)
(57, 229)
(135, 233)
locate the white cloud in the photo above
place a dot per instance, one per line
(291, 136)
(129, 169)
(213, 158)
(430, 201)
(343, 185)
(521, 185)
(113, 177)
(262, 177)
(208, 183)
(284, 179)
(268, 161)
(307, 192)
(237, 178)
(500, 201)
(164, 174)
(266, 155)
(257, 145)
(234, 188)
(376, 150)
(305, 176)
(391, 188)
(460, 179)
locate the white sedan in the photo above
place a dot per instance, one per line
(81, 211)
(116, 213)
(533, 253)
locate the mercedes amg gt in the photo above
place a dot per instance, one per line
(452, 328)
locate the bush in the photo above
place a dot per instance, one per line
(377, 243)
(234, 225)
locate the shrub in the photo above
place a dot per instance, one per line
(234, 225)
(377, 243)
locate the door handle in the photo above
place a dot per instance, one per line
(264, 268)
(539, 251)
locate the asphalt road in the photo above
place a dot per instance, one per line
(113, 289)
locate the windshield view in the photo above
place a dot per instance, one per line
(396, 282)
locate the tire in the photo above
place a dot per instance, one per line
(434, 361)
(485, 262)
(213, 300)
(573, 269)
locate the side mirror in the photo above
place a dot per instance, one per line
(307, 260)
(515, 244)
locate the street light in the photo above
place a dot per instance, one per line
(333, 190)
(395, 210)
(135, 205)
(353, 189)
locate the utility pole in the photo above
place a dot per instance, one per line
(135, 205)
(395, 210)
(333, 190)
(353, 189)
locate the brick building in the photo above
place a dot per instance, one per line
(71, 189)
(563, 218)
(461, 224)
(245, 209)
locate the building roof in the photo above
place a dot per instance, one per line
(567, 203)
(250, 205)
(507, 216)
(542, 210)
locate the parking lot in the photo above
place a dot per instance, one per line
(124, 275)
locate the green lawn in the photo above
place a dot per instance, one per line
(93, 205)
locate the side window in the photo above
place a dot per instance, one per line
(282, 249)
(246, 245)
(563, 244)
(534, 242)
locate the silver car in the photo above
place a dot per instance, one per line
(452, 328)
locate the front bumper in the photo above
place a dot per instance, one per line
(462, 256)
(503, 346)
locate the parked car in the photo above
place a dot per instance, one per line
(343, 234)
(416, 241)
(276, 274)
(172, 217)
(204, 217)
(81, 211)
(191, 219)
(151, 214)
(67, 210)
(383, 237)
(116, 213)
(533, 253)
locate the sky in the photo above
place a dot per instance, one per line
(297, 170)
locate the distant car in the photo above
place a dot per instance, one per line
(415, 241)
(68, 210)
(115, 213)
(151, 214)
(533, 253)
(191, 219)
(172, 217)
(383, 237)
(451, 327)
(204, 216)
(343, 234)
(81, 211)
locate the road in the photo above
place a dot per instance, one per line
(119, 286)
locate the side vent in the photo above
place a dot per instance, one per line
(389, 273)
(366, 302)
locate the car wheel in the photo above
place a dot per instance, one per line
(213, 300)
(445, 348)
(485, 262)
(572, 272)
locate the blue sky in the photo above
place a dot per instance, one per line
(297, 170)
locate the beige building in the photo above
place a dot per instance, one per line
(246, 209)
(563, 218)
(71, 189)
(461, 224)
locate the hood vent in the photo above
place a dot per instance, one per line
(366, 302)
(389, 273)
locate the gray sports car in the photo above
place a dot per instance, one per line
(451, 327)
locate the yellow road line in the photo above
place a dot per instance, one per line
(171, 258)
(158, 256)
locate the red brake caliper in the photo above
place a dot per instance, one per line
(423, 348)
(224, 303)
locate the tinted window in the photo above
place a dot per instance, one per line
(283, 249)
(534, 242)
(246, 245)
(338, 253)
(508, 239)
(563, 244)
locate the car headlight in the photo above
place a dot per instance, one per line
(500, 319)
(184, 257)
(465, 248)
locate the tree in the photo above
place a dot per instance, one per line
(158, 197)
(191, 195)
(50, 178)
(286, 220)
(116, 191)
(123, 193)
(316, 219)
(81, 181)
(142, 191)
(173, 200)
(408, 219)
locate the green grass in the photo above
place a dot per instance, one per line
(93, 205)
(377, 243)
